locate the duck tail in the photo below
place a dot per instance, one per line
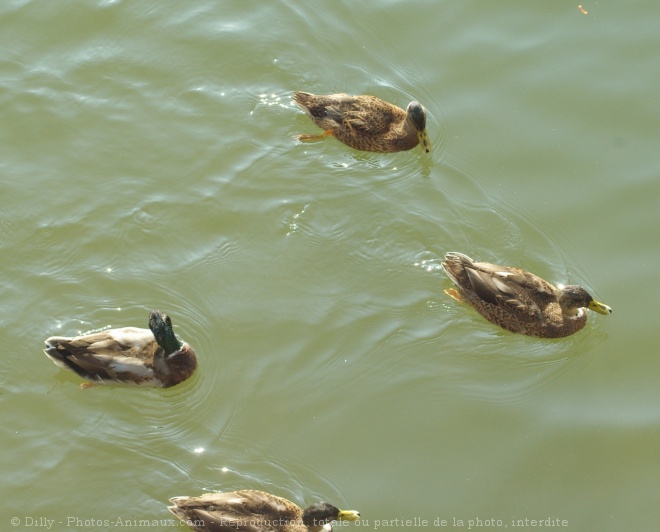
(309, 103)
(455, 264)
(56, 353)
(302, 98)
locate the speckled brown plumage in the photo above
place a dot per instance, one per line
(366, 122)
(146, 357)
(253, 511)
(518, 300)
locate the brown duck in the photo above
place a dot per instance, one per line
(366, 122)
(255, 511)
(517, 300)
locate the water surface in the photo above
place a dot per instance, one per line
(148, 160)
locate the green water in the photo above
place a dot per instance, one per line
(148, 161)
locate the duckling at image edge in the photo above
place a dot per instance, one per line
(255, 511)
(518, 300)
(366, 122)
(145, 357)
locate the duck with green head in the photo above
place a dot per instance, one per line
(366, 122)
(145, 357)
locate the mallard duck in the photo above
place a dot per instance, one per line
(255, 511)
(130, 355)
(517, 300)
(366, 122)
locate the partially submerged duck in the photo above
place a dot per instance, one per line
(518, 300)
(255, 511)
(146, 357)
(366, 122)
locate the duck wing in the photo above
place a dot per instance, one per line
(367, 115)
(108, 355)
(247, 511)
(522, 292)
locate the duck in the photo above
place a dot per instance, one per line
(518, 300)
(255, 511)
(130, 355)
(365, 122)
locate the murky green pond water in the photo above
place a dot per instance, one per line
(147, 161)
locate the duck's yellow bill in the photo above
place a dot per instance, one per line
(599, 307)
(348, 515)
(424, 141)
